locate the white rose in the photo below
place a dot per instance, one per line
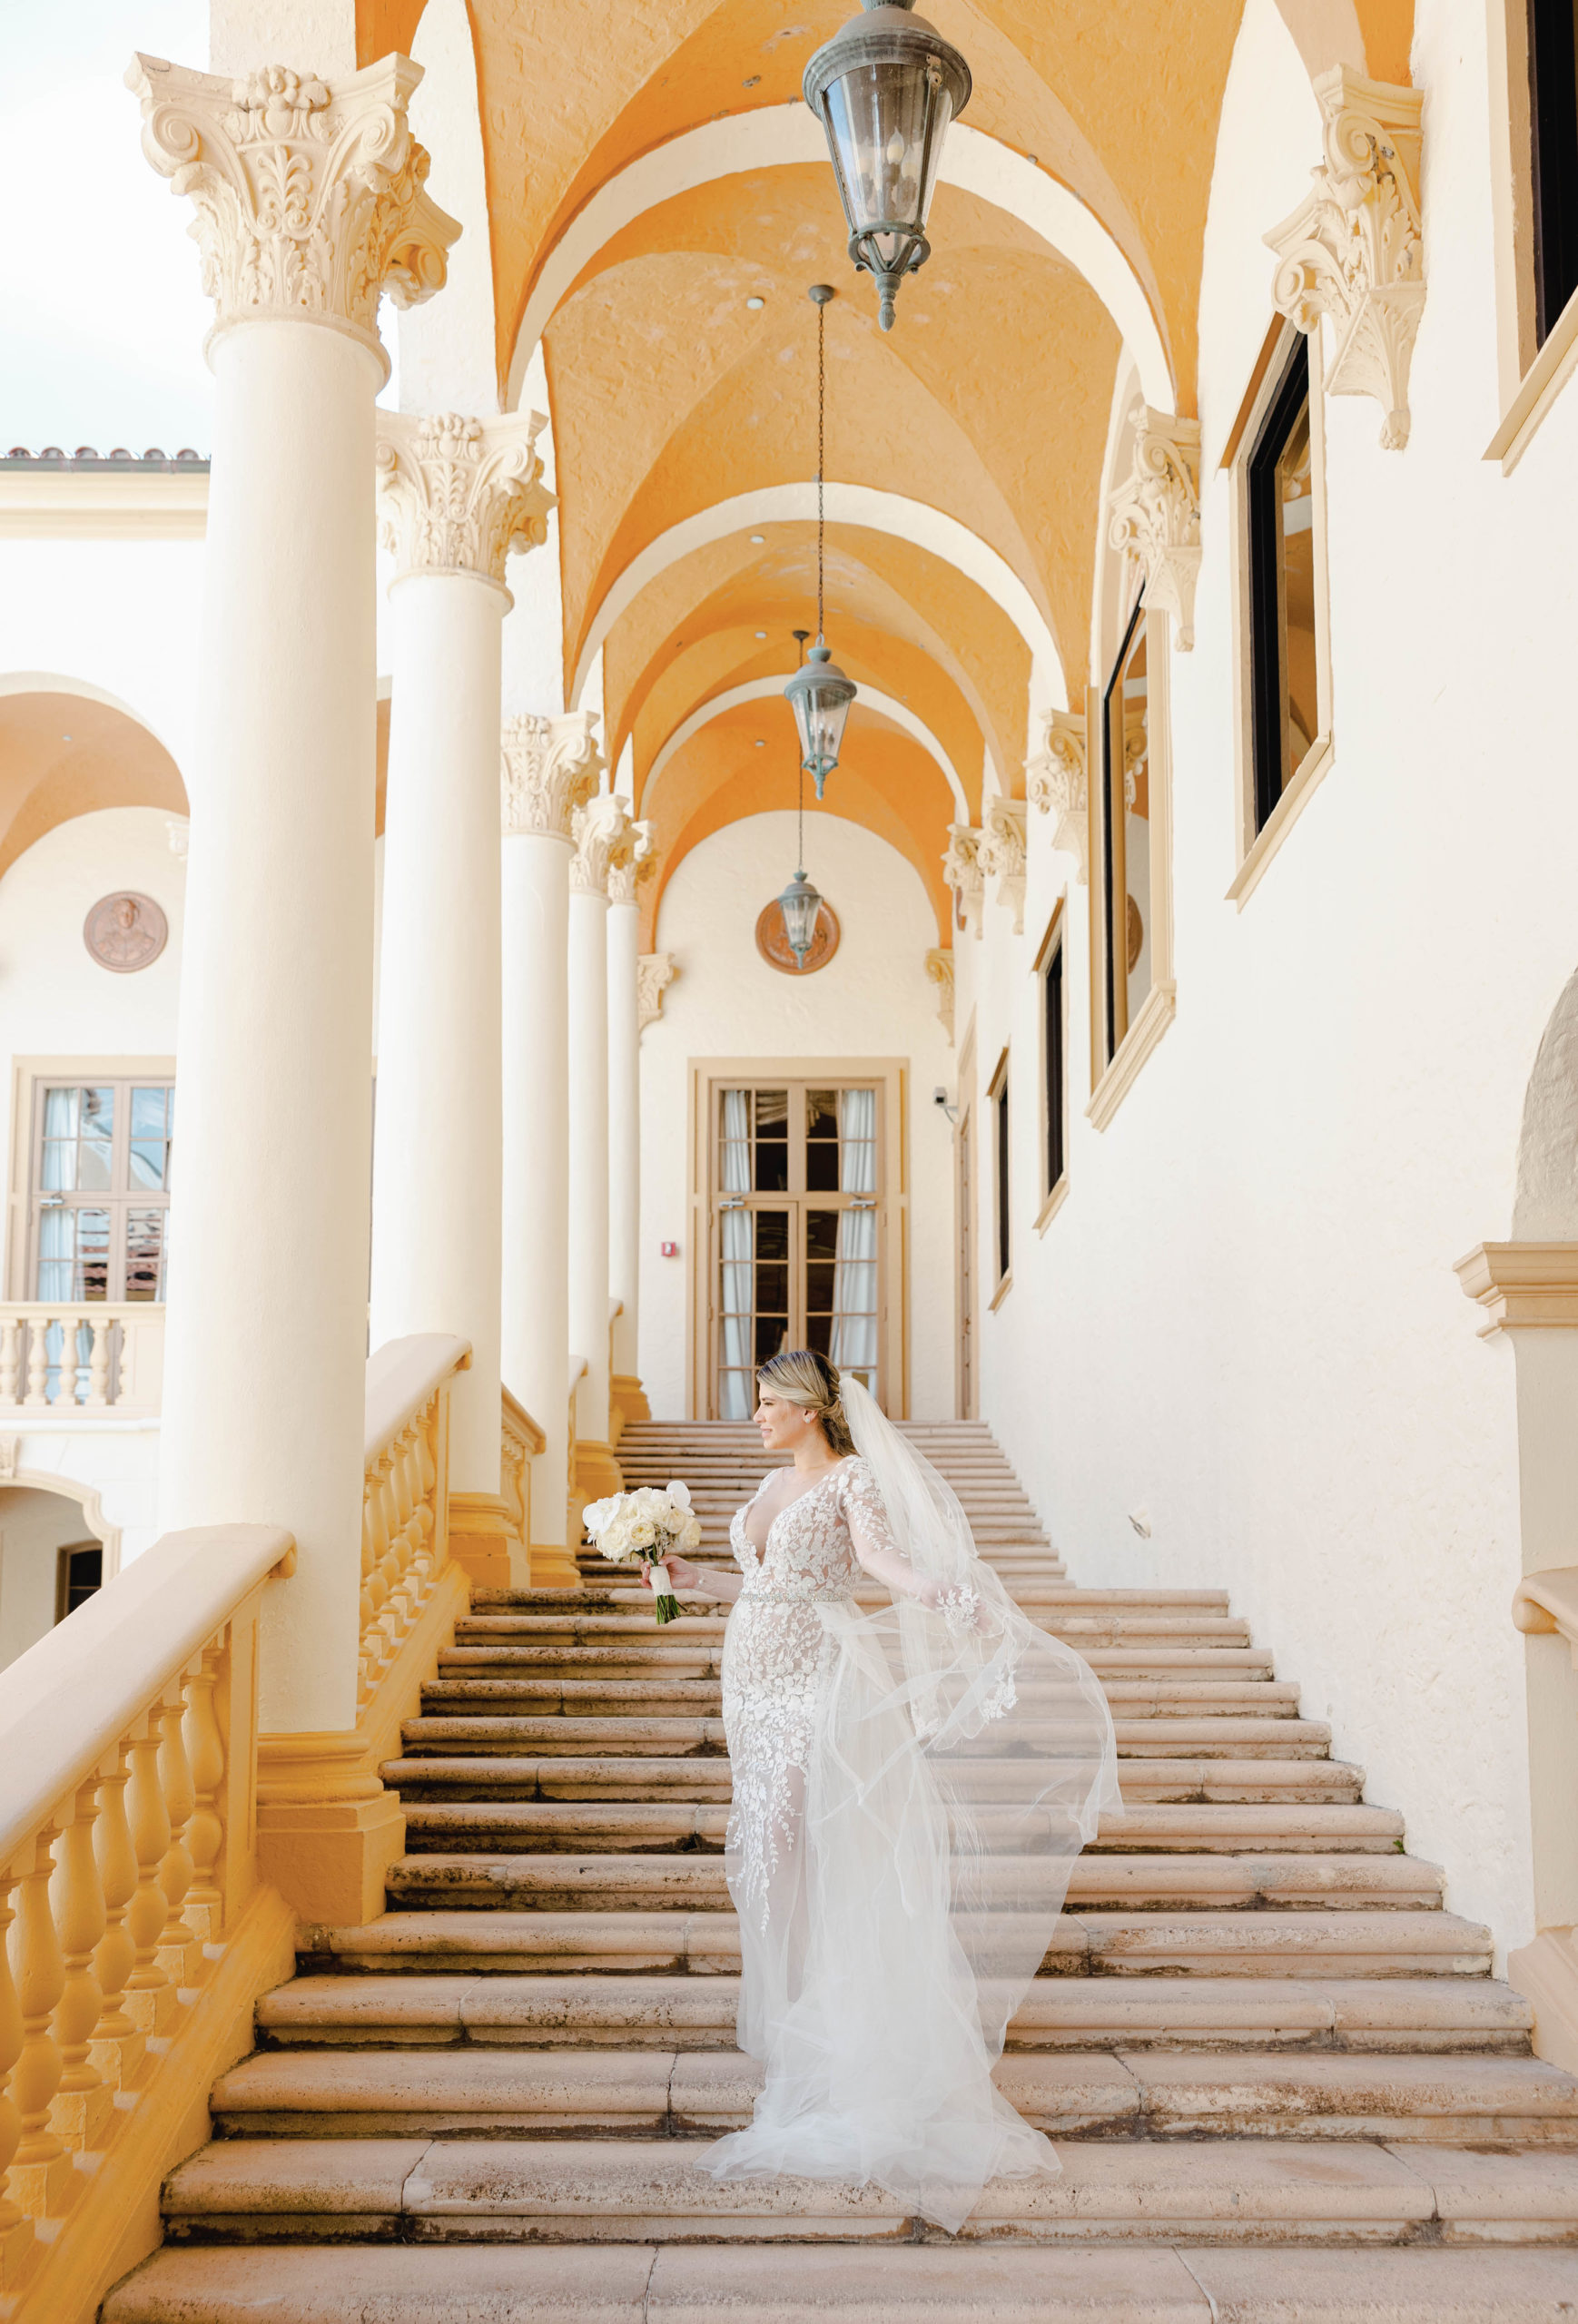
(643, 1534)
(691, 1537)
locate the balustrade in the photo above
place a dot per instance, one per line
(401, 1538)
(88, 1356)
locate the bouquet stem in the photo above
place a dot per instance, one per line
(667, 1607)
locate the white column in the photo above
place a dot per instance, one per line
(627, 1403)
(265, 1330)
(603, 835)
(550, 767)
(456, 496)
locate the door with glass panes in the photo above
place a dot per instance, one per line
(100, 1190)
(796, 1231)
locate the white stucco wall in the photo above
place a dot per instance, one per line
(1244, 1319)
(34, 1526)
(873, 1000)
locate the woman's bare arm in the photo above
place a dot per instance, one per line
(699, 1580)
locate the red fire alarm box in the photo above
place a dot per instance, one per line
(669, 1250)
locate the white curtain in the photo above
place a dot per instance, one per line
(736, 1400)
(854, 1282)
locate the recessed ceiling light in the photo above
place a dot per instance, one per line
(757, 539)
(755, 305)
(760, 744)
(761, 634)
(65, 738)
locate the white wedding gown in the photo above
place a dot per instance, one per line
(911, 1790)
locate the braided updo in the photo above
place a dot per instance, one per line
(801, 1376)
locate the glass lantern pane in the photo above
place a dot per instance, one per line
(877, 117)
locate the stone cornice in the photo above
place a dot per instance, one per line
(311, 200)
(1353, 250)
(604, 837)
(961, 871)
(549, 767)
(457, 494)
(1155, 514)
(654, 972)
(1523, 1286)
(1057, 784)
(1002, 854)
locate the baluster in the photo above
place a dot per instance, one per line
(117, 2046)
(370, 1660)
(99, 1364)
(15, 2233)
(378, 1505)
(150, 1998)
(77, 1896)
(10, 1357)
(65, 1385)
(38, 1358)
(205, 1911)
(429, 1478)
(40, 2172)
(405, 1590)
(177, 1947)
(392, 1563)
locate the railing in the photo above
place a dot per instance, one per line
(520, 1438)
(1546, 1602)
(126, 1840)
(405, 1534)
(57, 1356)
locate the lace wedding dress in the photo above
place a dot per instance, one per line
(910, 1788)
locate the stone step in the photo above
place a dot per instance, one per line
(1078, 1630)
(692, 1879)
(526, 1818)
(559, 1773)
(1224, 1943)
(622, 1593)
(632, 2190)
(931, 2283)
(1361, 2014)
(687, 1655)
(1449, 2099)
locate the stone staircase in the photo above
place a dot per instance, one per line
(1282, 2079)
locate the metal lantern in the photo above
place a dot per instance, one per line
(885, 88)
(820, 695)
(799, 905)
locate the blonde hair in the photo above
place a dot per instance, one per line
(801, 1376)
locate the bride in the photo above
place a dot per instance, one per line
(910, 1788)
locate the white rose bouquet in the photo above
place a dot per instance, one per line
(644, 1528)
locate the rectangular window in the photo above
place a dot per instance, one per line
(1554, 142)
(79, 1572)
(1125, 818)
(1283, 649)
(1056, 1091)
(997, 1098)
(100, 1190)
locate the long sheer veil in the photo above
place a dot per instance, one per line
(959, 1760)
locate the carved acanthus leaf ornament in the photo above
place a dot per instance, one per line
(1156, 514)
(631, 869)
(457, 494)
(654, 972)
(603, 839)
(1002, 854)
(550, 766)
(939, 968)
(1057, 784)
(312, 199)
(961, 871)
(1354, 250)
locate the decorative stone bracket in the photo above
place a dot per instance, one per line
(961, 871)
(939, 968)
(1002, 854)
(1057, 784)
(605, 839)
(1156, 513)
(631, 867)
(457, 494)
(1354, 250)
(1522, 1286)
(311, 200)
(549, 767)
(654, 972)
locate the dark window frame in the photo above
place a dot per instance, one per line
(1112, 876)
(1267, 675)
(998, 1098)
(1553, 157)
(1055, 1066)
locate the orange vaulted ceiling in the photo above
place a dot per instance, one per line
(64, 754)
(883, 780)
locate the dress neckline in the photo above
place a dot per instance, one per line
(836, 1470)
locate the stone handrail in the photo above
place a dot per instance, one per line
(520, 1440)
(127, 1841)
(405, 1539)
(1546, 1603)
(117, 1367)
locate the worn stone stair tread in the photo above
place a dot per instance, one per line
(616, 1625)
(630, 2190)
(1373, 2013)
(1402, 1943)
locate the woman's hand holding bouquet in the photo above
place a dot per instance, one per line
(648, 1527)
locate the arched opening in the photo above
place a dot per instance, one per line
(51, 1560)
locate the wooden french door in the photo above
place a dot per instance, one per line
(797, 1231)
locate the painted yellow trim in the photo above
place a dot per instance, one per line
(114, 2221)
(1311, 771)
(1538, 390)
(1156, 1013)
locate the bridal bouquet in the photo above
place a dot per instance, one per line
(643, 1526)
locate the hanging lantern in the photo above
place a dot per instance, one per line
(820, 695)
(885, 88)
(799, 905)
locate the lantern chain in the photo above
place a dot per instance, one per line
(821, 453)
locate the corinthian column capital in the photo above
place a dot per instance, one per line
(1056, 783)
(457, 495)
(632, 865)
(312, 199)
(604, 837)
(1156, 513)
(551, 766)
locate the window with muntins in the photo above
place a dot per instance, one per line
(1124, 804)
(1553, 141)
(100, 1190)
(1283, 645)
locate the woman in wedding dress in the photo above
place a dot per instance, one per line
(911, 1787)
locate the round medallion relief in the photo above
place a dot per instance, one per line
(774, 945)
(126, 932)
